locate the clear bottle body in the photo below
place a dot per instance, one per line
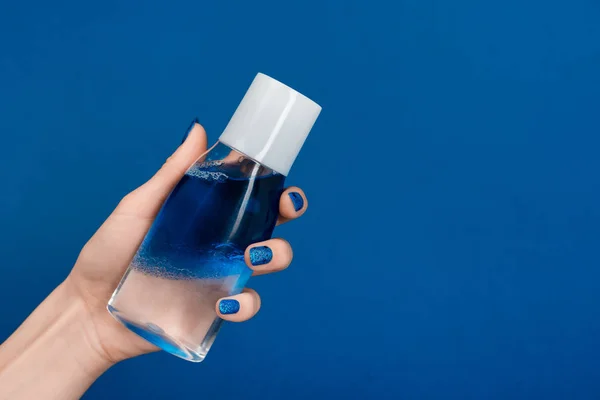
(194, 252)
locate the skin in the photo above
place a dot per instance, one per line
(70, 339)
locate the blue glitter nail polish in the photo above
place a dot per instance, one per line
(194, 252)
(297, 200)
(260, 255)
(229, 306)
(189, 129)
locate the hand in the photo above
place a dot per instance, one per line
(104, 259)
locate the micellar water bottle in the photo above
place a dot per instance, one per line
(228, 199)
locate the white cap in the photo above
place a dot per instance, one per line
(271, 123)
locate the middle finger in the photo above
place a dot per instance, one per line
(269, 256)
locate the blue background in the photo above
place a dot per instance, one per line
(451, 248)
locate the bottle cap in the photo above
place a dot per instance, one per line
(271, 123)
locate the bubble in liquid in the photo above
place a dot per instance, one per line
(160, 267)
(214, 262)
(212, 163)
(207, 175)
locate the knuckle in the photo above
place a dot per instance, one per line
(128, 200)
(168, 162)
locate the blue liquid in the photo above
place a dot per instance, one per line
(194, 254)
(207, 222)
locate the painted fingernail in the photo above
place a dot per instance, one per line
(260, 255)
(297, 200)
(189, 129)
(229, 306)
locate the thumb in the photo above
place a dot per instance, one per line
(146, 200)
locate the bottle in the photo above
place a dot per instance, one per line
(193, 253)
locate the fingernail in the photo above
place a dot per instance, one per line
(297, 200)
(229, 306)
(260, 255)
(189, 129)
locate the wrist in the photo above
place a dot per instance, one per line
(54, 353)
(82, 333)
(108, 338)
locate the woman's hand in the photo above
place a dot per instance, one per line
(106, 256)
(71, 339)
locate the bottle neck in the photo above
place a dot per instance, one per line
(249, 155)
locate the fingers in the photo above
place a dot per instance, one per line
(240, 307)
(269, 256)
(148, 198)
(292, 204)
(173, 169)
(264, 257)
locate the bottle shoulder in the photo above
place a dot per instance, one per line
(222, 163)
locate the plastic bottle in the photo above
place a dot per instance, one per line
(228, 199)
